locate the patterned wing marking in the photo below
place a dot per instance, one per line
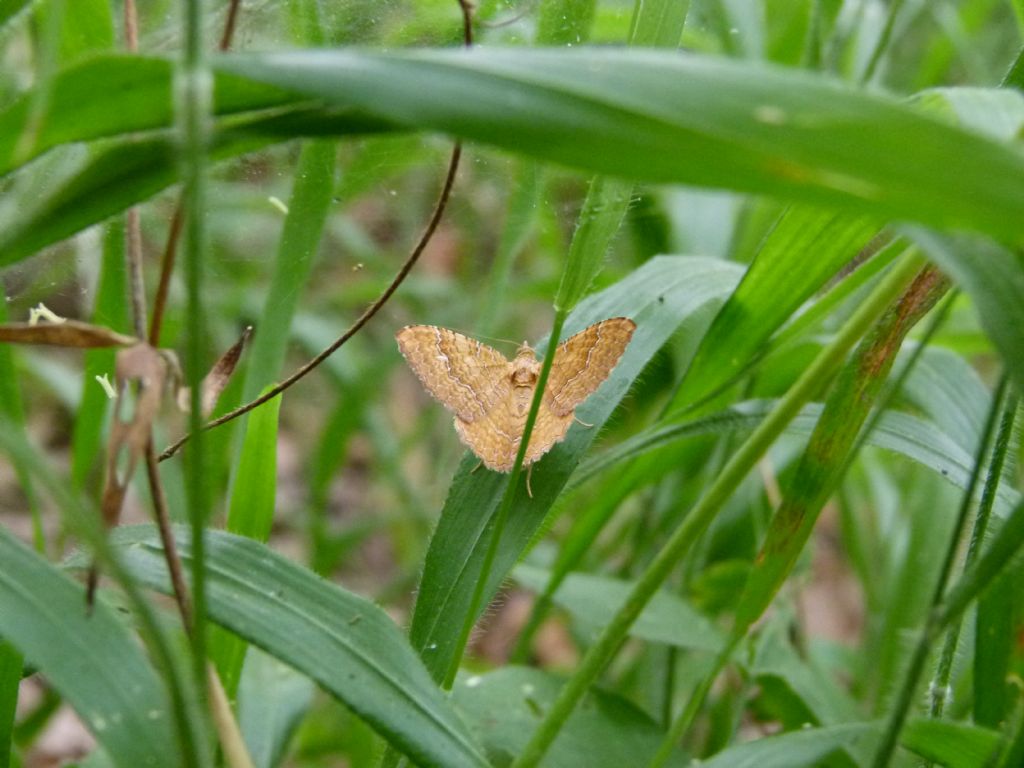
(495, 438)
(549, 429)
(467, 377)
(584, 361)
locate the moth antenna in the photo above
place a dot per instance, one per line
(578, 420)
(499, 340)
(496, 339)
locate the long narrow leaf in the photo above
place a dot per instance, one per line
(94, 661)
(643, 115)
(344, 642)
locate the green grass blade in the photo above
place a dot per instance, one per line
(251, 511)
(296, 251)
(11, 663)
(95, 662)
(996, 610)
(805, 249)
(117, 175)
(598, 223)
(710, 503)
(111, 310)
(140, 87)
(344, 642)
(501, 707)
(273, 698)
(592, 600)
(1006, 541)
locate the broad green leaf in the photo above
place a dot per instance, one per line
(593, 600)
(105, 182)
(251, 514)
(996, 112)
(661, 117)
(776, 661)
(952, 744)
(950, 392)
(662, 294)
(343, 642)
(272, 700)
(503, 707)
(917, 439)
(94, 661)
(806, 248)
(138, 98)
(793, 749)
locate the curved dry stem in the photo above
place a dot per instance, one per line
(373, 309)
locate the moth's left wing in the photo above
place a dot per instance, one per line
(468, 377)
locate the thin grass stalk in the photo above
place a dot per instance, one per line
(693, 705)
(1014, 77)
(1013, 752)
(137, 289)
(13, 411)
(501, 516)
(895, 384)
(838, 437)
(614, 634)
(939, 687)
(990, 566)
(657, 23)
(929, 633)
(236, 754)
(177, 218)
(195, 94)
(882, 44)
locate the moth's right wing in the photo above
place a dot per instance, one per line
(467, 377)
(584, 361)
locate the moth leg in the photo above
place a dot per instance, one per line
(578, 420)
(478, 465)
(529, 474)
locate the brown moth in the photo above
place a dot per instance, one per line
(491, 395)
